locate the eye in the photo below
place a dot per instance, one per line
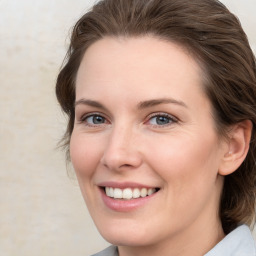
(161, 119)
(94, 120)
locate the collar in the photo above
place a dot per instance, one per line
(239, 242)
(110, 251)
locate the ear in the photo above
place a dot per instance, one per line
(238, 146)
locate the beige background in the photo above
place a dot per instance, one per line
(41, 210)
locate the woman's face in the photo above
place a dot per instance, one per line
(144, 133)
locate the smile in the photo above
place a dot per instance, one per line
(129, 193)
(127, 196)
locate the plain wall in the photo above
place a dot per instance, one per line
(41, 209)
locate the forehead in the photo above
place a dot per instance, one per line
(141, 65)
(142, 53)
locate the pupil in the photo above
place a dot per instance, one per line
(162, 120)
(98, 120)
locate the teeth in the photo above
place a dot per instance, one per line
(128, 193)
(143, 192)
(107, 191)
(111, 192)
(151, 191)
(118, 193)
(136, 193)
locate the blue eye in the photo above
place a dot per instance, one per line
(161, 120)
(94, 120)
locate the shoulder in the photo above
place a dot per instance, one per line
(237, 243)
(110, 251)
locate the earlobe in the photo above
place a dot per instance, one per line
(238, 146)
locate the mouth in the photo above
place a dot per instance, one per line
(128, 193)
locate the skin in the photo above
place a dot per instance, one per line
(182, 157)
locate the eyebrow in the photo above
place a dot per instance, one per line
(91, 103)
(155, 102)
(141, 105)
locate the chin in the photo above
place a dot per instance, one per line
(125, 240)
(122, 235)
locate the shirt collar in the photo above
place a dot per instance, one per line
(237, 243)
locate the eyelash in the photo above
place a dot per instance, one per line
(171, 119)
(92, 115)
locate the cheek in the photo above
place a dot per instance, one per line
(186, 158)
(189, 169)
(85, 155)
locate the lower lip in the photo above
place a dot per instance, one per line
(125, 205)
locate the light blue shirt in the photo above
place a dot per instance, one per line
(237, 243)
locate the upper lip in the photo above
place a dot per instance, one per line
(123, 185)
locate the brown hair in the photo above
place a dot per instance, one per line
(217, 41)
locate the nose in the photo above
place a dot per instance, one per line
(122, 151)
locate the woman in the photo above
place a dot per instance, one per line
(160, 97)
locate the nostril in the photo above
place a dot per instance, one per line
(120, 162)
